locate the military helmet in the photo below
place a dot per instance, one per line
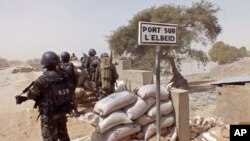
(92, 52)
(65, 56)
(49, 59)
(103, 55)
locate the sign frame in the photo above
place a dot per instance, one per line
(162, 25)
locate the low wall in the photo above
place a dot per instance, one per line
(133, 78)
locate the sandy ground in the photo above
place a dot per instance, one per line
(19, 122)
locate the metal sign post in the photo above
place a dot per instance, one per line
(157, 34)
(158, 90)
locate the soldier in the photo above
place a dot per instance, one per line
(92, 63)
(69, 68)
(73, 57)
(53, 94)
(107, 74)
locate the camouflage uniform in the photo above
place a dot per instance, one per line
(114, 77)
(84, 81)
(53, 125)
(73, 57)
(92, 67)
(71, 70)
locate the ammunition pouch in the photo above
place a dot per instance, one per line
(48, 108)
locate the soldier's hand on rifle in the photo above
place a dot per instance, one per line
(20, 99)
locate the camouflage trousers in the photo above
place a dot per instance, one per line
(54, 128)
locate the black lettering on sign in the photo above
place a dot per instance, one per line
(169, 30)
(239, 132)
(159, 38)
(144, 28)
(151, 29)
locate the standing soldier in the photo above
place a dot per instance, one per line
(69, 68)
(107, 74)
(73, 57)
(53, 93)
(92, 64)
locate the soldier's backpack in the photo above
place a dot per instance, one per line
(68, 67)
(105, 73)
(70, 70)
(61, 91)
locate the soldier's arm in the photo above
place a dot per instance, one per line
(87, 84)
(37, 88)
(76, 75)
(115, 72)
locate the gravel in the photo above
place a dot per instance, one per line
(201, 99)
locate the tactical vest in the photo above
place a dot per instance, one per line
(68, 67)
(59, 97)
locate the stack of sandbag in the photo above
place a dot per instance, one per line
(132, 116)
(144, 110)
(113, 123)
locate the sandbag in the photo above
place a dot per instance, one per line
(150, 91)
(145, 119)
(137, 109)
(116, 133)
(127, 138)
(96, 136)
(166, 108)
(114, 102)
(120, 86)
(150, 129)
(103, 124)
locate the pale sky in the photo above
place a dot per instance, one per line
(28, 28)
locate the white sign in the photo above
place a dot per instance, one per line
(157, 33)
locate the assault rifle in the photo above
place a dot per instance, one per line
(19, 98)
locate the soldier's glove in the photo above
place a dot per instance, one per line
(20, 99)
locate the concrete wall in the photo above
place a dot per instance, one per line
(133, 78)
(233, 103)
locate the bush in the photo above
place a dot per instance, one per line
(224, 54)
